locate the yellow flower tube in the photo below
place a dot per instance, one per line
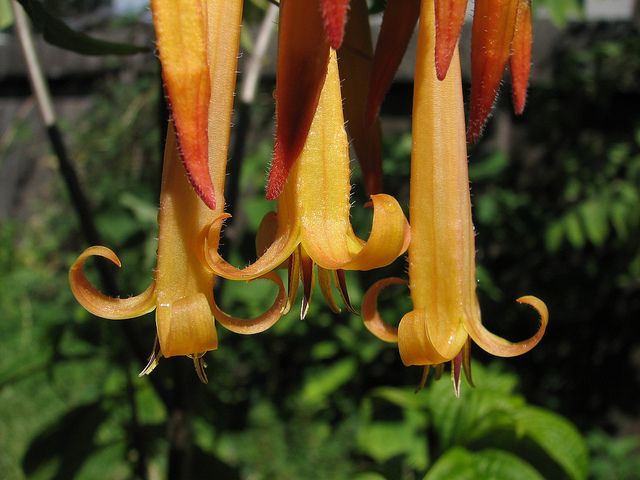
(442, 251)
(182, 291)
(313, 209)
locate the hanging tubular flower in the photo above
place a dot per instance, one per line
(313, 209)
(303, 53)
(442, 250)
(198, 42)
(355, 62)
(182, 290)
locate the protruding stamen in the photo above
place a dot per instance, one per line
(341, 283)
(200, 366)
(306, 264)
(154, 359)
(324, 277)
(456, 369)
(423, 378)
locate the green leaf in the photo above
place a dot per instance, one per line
(320, 385)
(553, 236)
(488, 168)
(385, 440)
(368, 476)
(6, 15)
(489, 464)
(58, 33)
(557, 437)
(574, 230)
(594, 218)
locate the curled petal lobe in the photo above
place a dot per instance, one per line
(100, 304)
(449, 21)
(303, 54)
(398, 24)
(334, 14)
(492, 33)
(520, 61)
(370, 314)
(283, 245)
(261, 323)
(501, 347)
(180, 27)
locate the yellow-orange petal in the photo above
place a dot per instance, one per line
(260, 323)
(389, 238)
(398, 24)
(267, 232)
(449, 21)
(491, 36)
(371, 316)
(100, 304)
(416, 346)
(303, 55)
(186, 326)
(520, 61)
(501, 347)
(223, 20)
(287, 239)
(316, 196)
(355, 60)
(181, 35)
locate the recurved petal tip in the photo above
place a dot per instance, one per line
(501, 347)
(370, 314)
(100, 304)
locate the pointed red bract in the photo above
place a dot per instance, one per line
(398, 23)
(334, 13)
(492, 34)
(520, 62)
(181, 40)
(449, 21)
(303, 57)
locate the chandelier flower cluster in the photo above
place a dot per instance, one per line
(327, 75)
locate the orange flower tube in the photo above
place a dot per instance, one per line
(442, 272)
